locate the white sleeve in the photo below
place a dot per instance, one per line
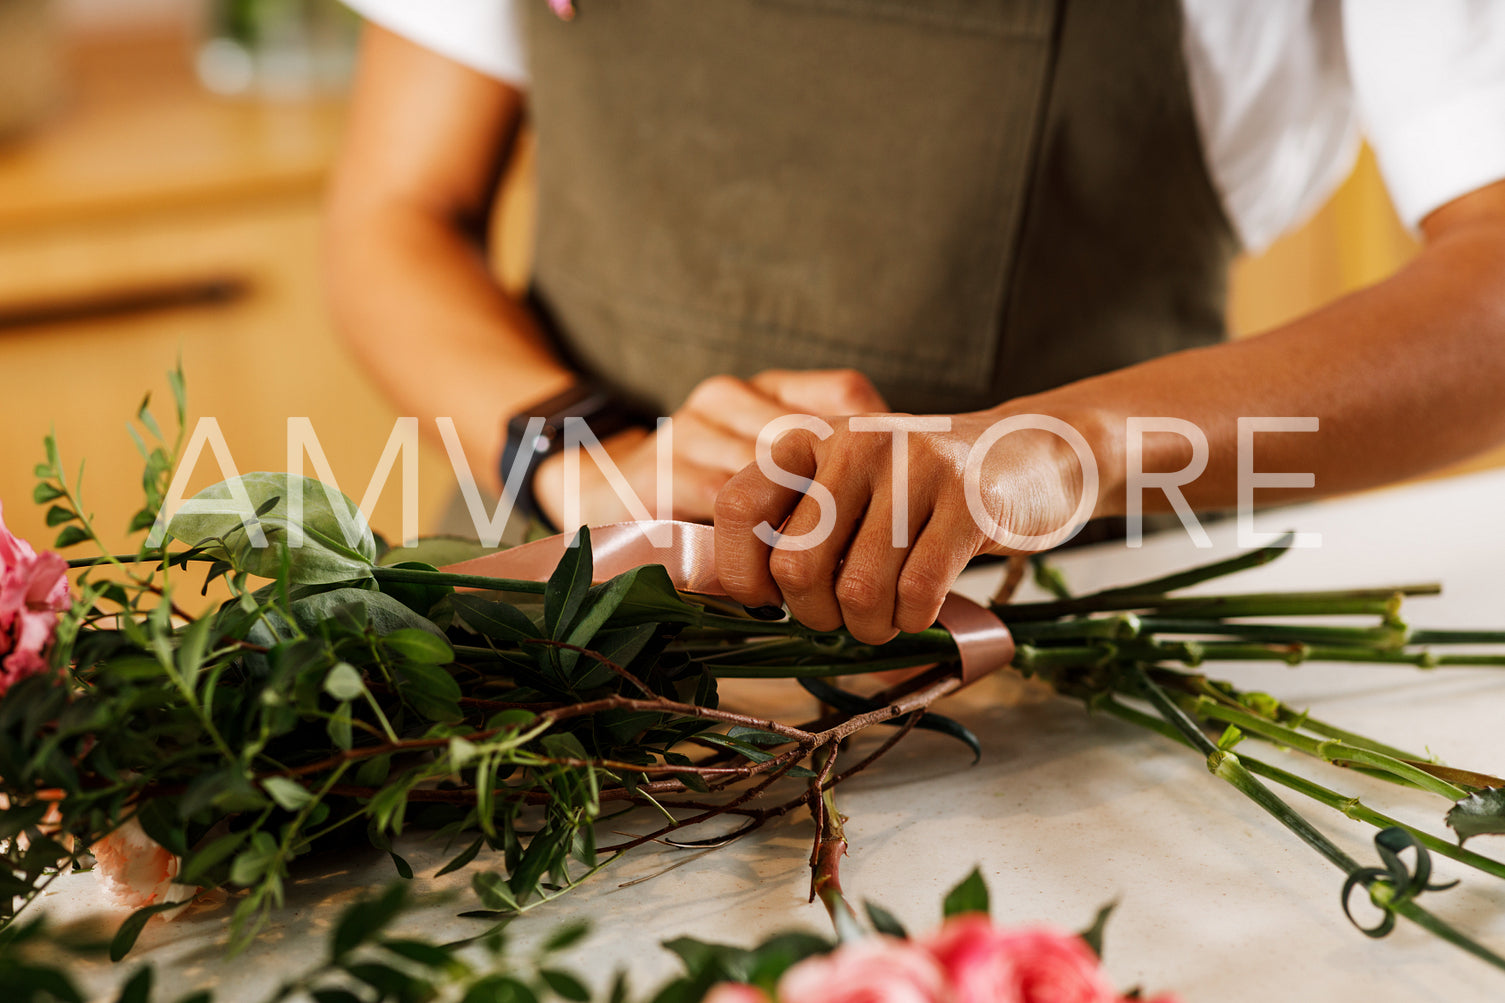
(481, 34)
(1429, 79)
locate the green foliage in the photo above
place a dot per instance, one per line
(1481, 812)
(248, 523)
(353, 700)
(971, 895)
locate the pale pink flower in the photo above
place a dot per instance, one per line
(564, 9)
(735, 992)
(33, 591)
(984, 964)
(872, 970)
(135, 870)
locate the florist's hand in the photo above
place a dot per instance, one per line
(713, 436)
(837, 561)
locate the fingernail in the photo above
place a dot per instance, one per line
(765, 612)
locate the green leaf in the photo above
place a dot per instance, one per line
(419, 646)
(138, 988)
(289, 794)
(545, 850)
(144, 519)
(344, 682)
(58, 514)
(336, 546)
(567, 586)
(383, 613)
(566, 985)
(335, 996)
(497, 620)
(464, 857)
(499, 989)
(193, 645)
(44, 493)
(750, 752)
(1481, 813)
(179, 390)
(364, 919)
(1093, 935)
(649, 596)
(340, 727)
(144, 415)
(70, 536)
(494, 892)
(757, 736)
(428, 955)
(969, 896)
(209, 856)
(430, 690)
(884, 921)
(391, 983)
(251, 864)
(125, 937)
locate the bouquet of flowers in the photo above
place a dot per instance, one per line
(519, 699)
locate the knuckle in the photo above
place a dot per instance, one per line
(736, 505)
(795, 572)
(711, 389)
(860, 592)
(853, 386)
(920, 591)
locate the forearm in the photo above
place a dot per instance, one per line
(427, 143)
(414, 299)
(1404, 377)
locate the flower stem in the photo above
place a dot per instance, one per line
(1350, 806)
(1227, 767)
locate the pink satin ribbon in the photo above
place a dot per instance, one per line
(982, 640)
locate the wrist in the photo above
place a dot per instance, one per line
(1099, 434)
(591, 489)
(545, 429)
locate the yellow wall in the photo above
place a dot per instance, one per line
(1353, 241)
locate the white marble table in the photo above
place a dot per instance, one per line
(1065, 811)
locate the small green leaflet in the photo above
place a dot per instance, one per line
(969, 896)
(1481, 813)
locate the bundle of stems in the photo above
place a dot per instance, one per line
(342, 690)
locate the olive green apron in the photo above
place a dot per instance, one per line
(967, 200)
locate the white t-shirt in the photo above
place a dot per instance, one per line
(1281, 90)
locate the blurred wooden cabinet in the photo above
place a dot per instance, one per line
(151, 221)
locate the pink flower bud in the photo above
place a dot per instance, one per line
(33, 591)
(135, 870)
(984, 964)
(873, 970)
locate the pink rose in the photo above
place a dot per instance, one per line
(984, 964)
(135, 870)
(33, 591)
(873, 970)
(734, 992)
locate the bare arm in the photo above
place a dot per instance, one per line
(1404, 376)
(408, 207)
